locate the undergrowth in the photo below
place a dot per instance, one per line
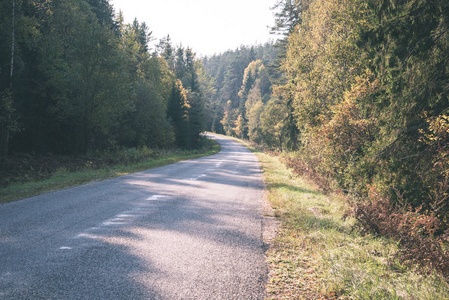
(319, 254)
(414, 231)
(24, 176)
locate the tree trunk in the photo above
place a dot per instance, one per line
(5, 130)
(13, 40)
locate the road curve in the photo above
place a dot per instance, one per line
(191, 230)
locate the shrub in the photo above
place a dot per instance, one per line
(414, 230)
(307, 168)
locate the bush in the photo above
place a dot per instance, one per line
(307, 168)
(414, 230)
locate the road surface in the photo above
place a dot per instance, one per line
(191, 230)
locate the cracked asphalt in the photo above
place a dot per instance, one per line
(191, 230)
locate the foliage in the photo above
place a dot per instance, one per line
(178, 107)
(364, 78)
(436, 137)
(84, 81)
(288, 15)
(414, 231)
(227, 72)
(8, 121)
(274, 123)
(317, 254)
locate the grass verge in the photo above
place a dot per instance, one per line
(64, 179)
(318, 254)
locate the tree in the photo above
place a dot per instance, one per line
(405, 44)
(22, 36)
(178, 114)
(254, 122)
(7, 122)
(196, 101)
(146, 123)
(256, 87)
(187, 70)
(287, 16)
(229, 118)
(273, 123)
(165, 49)
(13, 39)
(73, 89)
(227, 71)
(143, 35)
(104, 12)
(84, 81)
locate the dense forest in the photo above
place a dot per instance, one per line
(75, 79)
(229, 70)
(358, 99)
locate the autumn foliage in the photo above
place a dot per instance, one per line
(420, 235)
(369, 82)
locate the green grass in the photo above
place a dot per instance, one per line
(63, 179)
(318, 254)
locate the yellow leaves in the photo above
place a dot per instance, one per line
(364, 86)
(239, 126)
(437, 129)
(227, 120)
(322, 62)
(348, 130)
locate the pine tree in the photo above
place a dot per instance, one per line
(288, 16)
(165, 49)
(178, 114)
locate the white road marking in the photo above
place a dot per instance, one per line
(123, 218)
(126, 215)
(93, 228)
(114, 222)
(157, 197)
(87, 235)
(196, 178)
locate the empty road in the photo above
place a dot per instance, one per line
(191, 230)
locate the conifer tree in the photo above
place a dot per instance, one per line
(289, 14)
(178, 113)
(165, 49)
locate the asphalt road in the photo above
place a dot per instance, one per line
(191, 230)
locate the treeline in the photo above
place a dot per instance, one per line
(240, 81)
(361, 101)
(75, 79)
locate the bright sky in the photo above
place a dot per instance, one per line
(206, 26)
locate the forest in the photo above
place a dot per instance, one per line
(75, 80)
(355, 94)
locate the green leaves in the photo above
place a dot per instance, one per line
(85, 81)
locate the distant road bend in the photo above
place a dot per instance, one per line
(191, 230)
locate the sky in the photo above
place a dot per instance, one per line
(207, 26)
